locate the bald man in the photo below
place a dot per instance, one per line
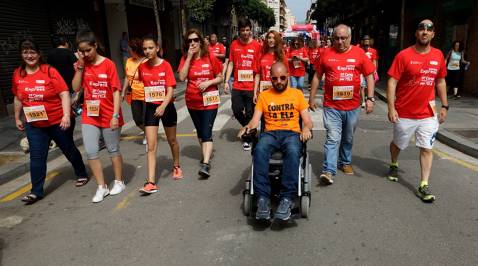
(342, 66)
(281, 107)
(414, 75)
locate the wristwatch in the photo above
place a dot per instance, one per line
(446, 107)
(372, 99)
(116, 115)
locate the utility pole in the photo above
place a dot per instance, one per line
(158, 23)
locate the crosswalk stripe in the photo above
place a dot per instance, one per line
(224, 114)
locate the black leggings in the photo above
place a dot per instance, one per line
(242, 105)
(203, 122)
(137, 109)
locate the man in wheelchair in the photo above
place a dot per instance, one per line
(282, 108)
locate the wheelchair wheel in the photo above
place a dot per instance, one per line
(304, 206)
(247, 203)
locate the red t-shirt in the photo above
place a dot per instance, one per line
(416, 74)
(245, 58)
(297, 69)
(40, 90)
(200, 70)
(265, 65)
(342, 76)
(99, 83)
(314, 54)
(217, 48)
(156, 80)
(371, 53)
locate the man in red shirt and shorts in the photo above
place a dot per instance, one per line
(414, 74)
(342, 65)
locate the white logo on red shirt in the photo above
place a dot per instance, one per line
(103, 76)
(415, 63)
(351, 60)
(435, 63)
(162, 74)
(40, 81)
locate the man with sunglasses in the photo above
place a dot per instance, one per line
(243, 59)
(415, 73)
(342, 65)
(281, 107)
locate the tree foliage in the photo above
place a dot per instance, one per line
(256, 10)
(200, 10)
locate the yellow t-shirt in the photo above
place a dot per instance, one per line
(281, 111)
(137, 87)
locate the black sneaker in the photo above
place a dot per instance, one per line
(204, 170)
(393, 173)
(284, 210)
(423, 192)
(246, 146)
(263, 209)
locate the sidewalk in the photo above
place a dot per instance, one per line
(460, 130)
(14, 162)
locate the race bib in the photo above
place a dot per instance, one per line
(343, 93)
(265, 85)
(245, 75)
(35, 113)
(211, 98)
(433, 106)
(296, 63)
(93, 107)
(154, 93)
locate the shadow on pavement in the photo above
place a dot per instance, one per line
(240, 185)
(230, 134)
(192, 151)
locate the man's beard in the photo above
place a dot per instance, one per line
(423, 43)
(280, 87)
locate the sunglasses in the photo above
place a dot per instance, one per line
(425, 26)
(193, 40)
(282, 78)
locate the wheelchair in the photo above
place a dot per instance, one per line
(275, 172)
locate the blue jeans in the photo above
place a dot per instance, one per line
(39, 139)
(203, 121)
(340, 126)
(297, 82)
(289, 143)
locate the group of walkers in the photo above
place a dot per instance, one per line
(43, 96)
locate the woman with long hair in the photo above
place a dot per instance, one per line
(455, 64)
(43, 96)
(133, 85)
(298, 58)
(96, 75)
(158, 79)
(272, 51)
(203, 72)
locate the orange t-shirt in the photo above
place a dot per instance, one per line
(137, 87)
(281, 111)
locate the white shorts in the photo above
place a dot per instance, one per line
(425, 132)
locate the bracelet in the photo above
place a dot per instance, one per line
(446, 107)
(116, 116)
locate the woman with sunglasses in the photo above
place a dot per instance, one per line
(133, 85)
(43, 96)
(271, 53)
(101, 115)
(298, 58)
(158, 79)
(203, 72)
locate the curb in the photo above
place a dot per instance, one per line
(24, 168)
(447, 137)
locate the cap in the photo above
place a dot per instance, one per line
(366, 37)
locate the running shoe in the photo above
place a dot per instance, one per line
(118, 187)
(177, 173)
(246, 146)
(283, 212)
(263, 209)
(144, 141)
(204, 170)
(101, 193)
(423, 192)
(393, 173)
(148, 188)
(326, 178)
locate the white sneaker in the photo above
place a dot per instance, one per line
(246, 146)
(118, 187)
(101, 193)
(144, 141)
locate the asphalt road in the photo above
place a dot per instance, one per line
(360, 220)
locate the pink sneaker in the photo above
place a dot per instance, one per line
(177, 173)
